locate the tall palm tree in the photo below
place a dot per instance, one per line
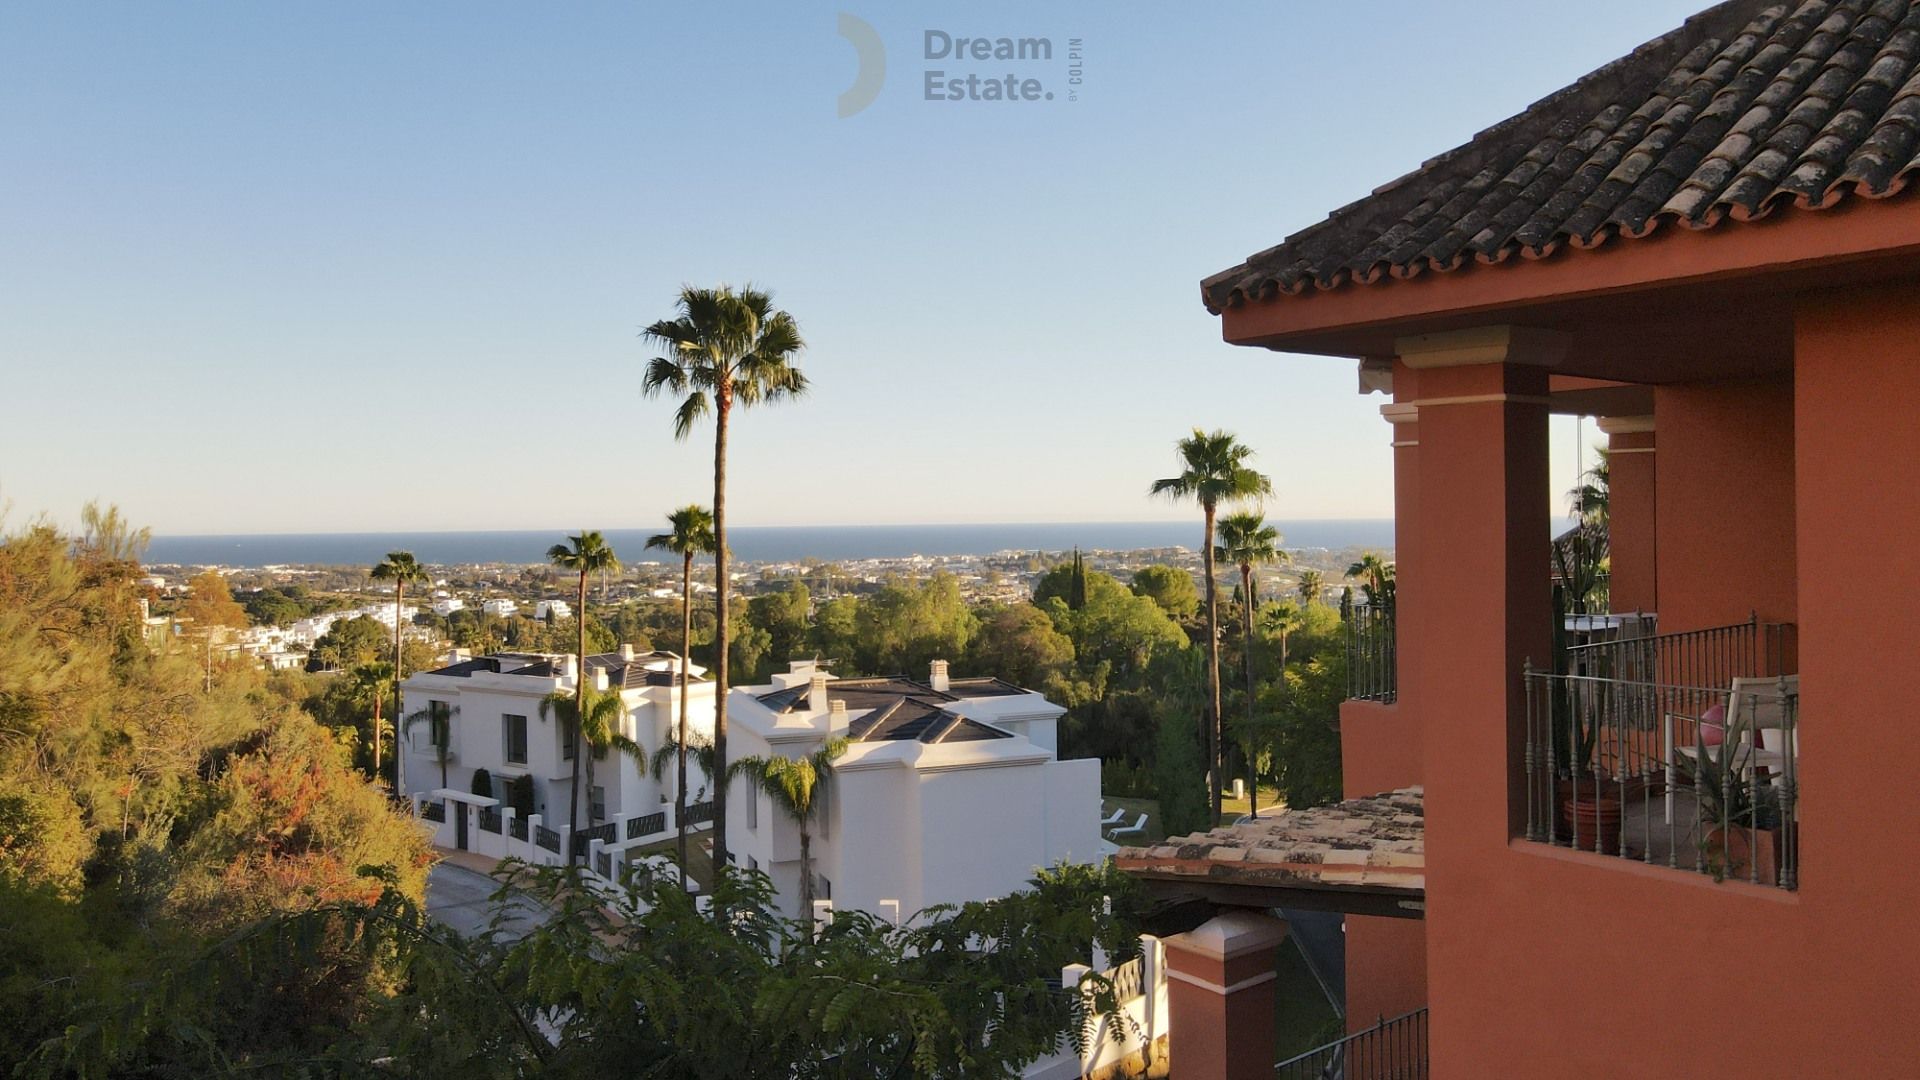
(691, 534)
(700, 752)
(1376, 580)
(401, 568)
(586, 554)
(1247, 541)
(369, 685)
(796, 786)
(724, 348)
(1213, 472)
(596, 720)
(1312, 584)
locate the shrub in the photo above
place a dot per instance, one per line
(482, 783)
(520, 795)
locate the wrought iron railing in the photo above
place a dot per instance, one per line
(1393, 1049)
(602, 832)
(434, 811)
(1699, 778)
(547, 838)
(1372, 663)
(517, 828)
(700, 812)
(646, 825)
(490, 819)
(1714, 656)
(604, 866)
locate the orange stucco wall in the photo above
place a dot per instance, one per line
(1380, 748)
(1386, 968)
(1725, 502)
(1548, 962)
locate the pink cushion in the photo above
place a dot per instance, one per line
(1713, 726)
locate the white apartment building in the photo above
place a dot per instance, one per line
(951, 790)
(557, 609)
(444, 606)
(490, 706)
(506, 609)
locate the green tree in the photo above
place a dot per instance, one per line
(725, 347)
(1247, 541)
(1313, 587)
(349, 643)
(797, 787)
(212, 613)
(585, 554)
(366, 687)
(782, 613)
(1020, 644)
(1179, 771)
(689, 534)
(1170, 587)
(906, 625)
(1214, 473)
(401, 568)
(1376, 580)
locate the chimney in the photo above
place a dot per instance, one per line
(567, 666)
(456, 656)
(600, 678)
(626, 651)
(817, 694)
(937, 678)
(836, 717)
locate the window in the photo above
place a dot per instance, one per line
(439, 729)
(515, 728)
(597, 803)
(753, 808)
(567, 737)
(753, 863)
(822, 888)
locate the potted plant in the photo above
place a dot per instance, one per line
(1587, 794)
(1740, 815)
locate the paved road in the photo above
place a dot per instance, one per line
(463, 899)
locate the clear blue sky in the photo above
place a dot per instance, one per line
(367, 266)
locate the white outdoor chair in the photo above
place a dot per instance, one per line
(1114, 818)
(1753, 705)
(1135, 829)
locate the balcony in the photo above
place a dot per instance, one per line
(1372, 674)
(1675, 750)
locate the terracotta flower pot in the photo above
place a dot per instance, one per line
(1744, 854)
(1593, 822)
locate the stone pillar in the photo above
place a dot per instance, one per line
(1220, 983)
(1630, 513)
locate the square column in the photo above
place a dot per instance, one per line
(1634, 582)
(1220, 983)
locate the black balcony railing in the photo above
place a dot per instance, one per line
(1372, 671)
(700, 812)
(1699, 778)
(1714, 656)
(518, 828)
(547, 838)
(646, 825)
(490, 819)
(1393, 1049)
(604, 866)
(434, 811)
(602, 832)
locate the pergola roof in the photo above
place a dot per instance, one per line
(1747, 108)
(1366, 855)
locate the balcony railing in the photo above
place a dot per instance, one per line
(646, 825)
(547, 838)
(517, 828)
(700, 812)
(433, 811)
(1372, 673)
(490, 819)
(602, 832)
(1700, 778)
(1393, 1049)
(1714, 656)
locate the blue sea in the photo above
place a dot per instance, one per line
(752, 543)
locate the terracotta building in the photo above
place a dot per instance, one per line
(1629, 863)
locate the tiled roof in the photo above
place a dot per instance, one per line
(1376, 843)
(1747, 108)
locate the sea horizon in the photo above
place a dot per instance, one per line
(752, 543)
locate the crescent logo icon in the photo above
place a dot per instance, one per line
(872, 54)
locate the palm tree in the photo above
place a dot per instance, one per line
(1246, 541)
(1213, 472)
(439, 719)
(797, 786)
(586, 554)
(401, 568)
(725, 347)
(700, 752)
(692, 534)
(1376, 580)
(596, 720)
(369, 685)
(1312, 584)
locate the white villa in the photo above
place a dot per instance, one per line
(951, 790)
(504, 608)
(490, 706)
(552, 609)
